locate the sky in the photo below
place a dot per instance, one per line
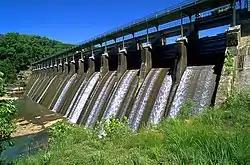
(73, 21)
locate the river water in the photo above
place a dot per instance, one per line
(31, 132)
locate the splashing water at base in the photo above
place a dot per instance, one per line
(118, 96)
(161, 101)
(74, 99)
(141, 106)
(99, 102)
(201, 87)
(83, 98)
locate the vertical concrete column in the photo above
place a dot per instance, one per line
(48, 71)
(66, 65)
(181, 60)
(38, 68)
(81, 66)
(55, 67)
(122, 63)
(41, 67)
(60, 66)
(104, 64)
(146, 61)
(91, 68)
(53, 70)
(44, 68)
(179, 69)
(229, 76)
(51, 67)
(72, 65)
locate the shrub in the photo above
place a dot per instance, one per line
(218, 136)
(2, 90)
(7, 125)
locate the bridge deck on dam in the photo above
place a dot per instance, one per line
(188, 8)
(144, 92)
(143, 79)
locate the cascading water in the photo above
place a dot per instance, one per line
(161, 101)
(100, 101)
(83, 98)
(61, 84)
(51, 81)
(71, 93)
(119, 94)
(74, 100)
(197, 84)
(64, 91)
(137, 101)
(142, 99)
(205, 88)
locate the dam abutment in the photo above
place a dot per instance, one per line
(230, 70)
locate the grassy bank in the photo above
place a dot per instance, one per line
(218, 136)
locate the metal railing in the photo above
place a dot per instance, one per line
(145, 19)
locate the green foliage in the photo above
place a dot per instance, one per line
(229, 62)
(17, 51)
(7, 125)
(218, 136)
(2, 89)
(113, 127)
(58, 129)
(187, 110)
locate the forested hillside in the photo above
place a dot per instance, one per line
(17, 51)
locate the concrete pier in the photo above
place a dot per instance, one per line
(104, 64)
(230, 72)
(122, 63)
(146, 61)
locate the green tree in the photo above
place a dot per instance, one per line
(18, 51)
(2, 90)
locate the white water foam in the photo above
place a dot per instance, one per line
(74, 99)
(161, 101)
(118, 96)
(63, 93)
(83, 98)
(57, 92)
(99, 102)
(202, 92)
(142, 105)
(181, 93)
(137, 99)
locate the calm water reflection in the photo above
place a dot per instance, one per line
(29, 141)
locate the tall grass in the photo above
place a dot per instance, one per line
(218, 136)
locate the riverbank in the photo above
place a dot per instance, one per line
(30, 135)
(33, 118)
(218, 136)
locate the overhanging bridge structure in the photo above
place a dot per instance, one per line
(187, 9)
(143, 77)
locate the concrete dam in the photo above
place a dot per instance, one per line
(142, 78)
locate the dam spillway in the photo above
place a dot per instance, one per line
(143, 78)
(143, 95)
